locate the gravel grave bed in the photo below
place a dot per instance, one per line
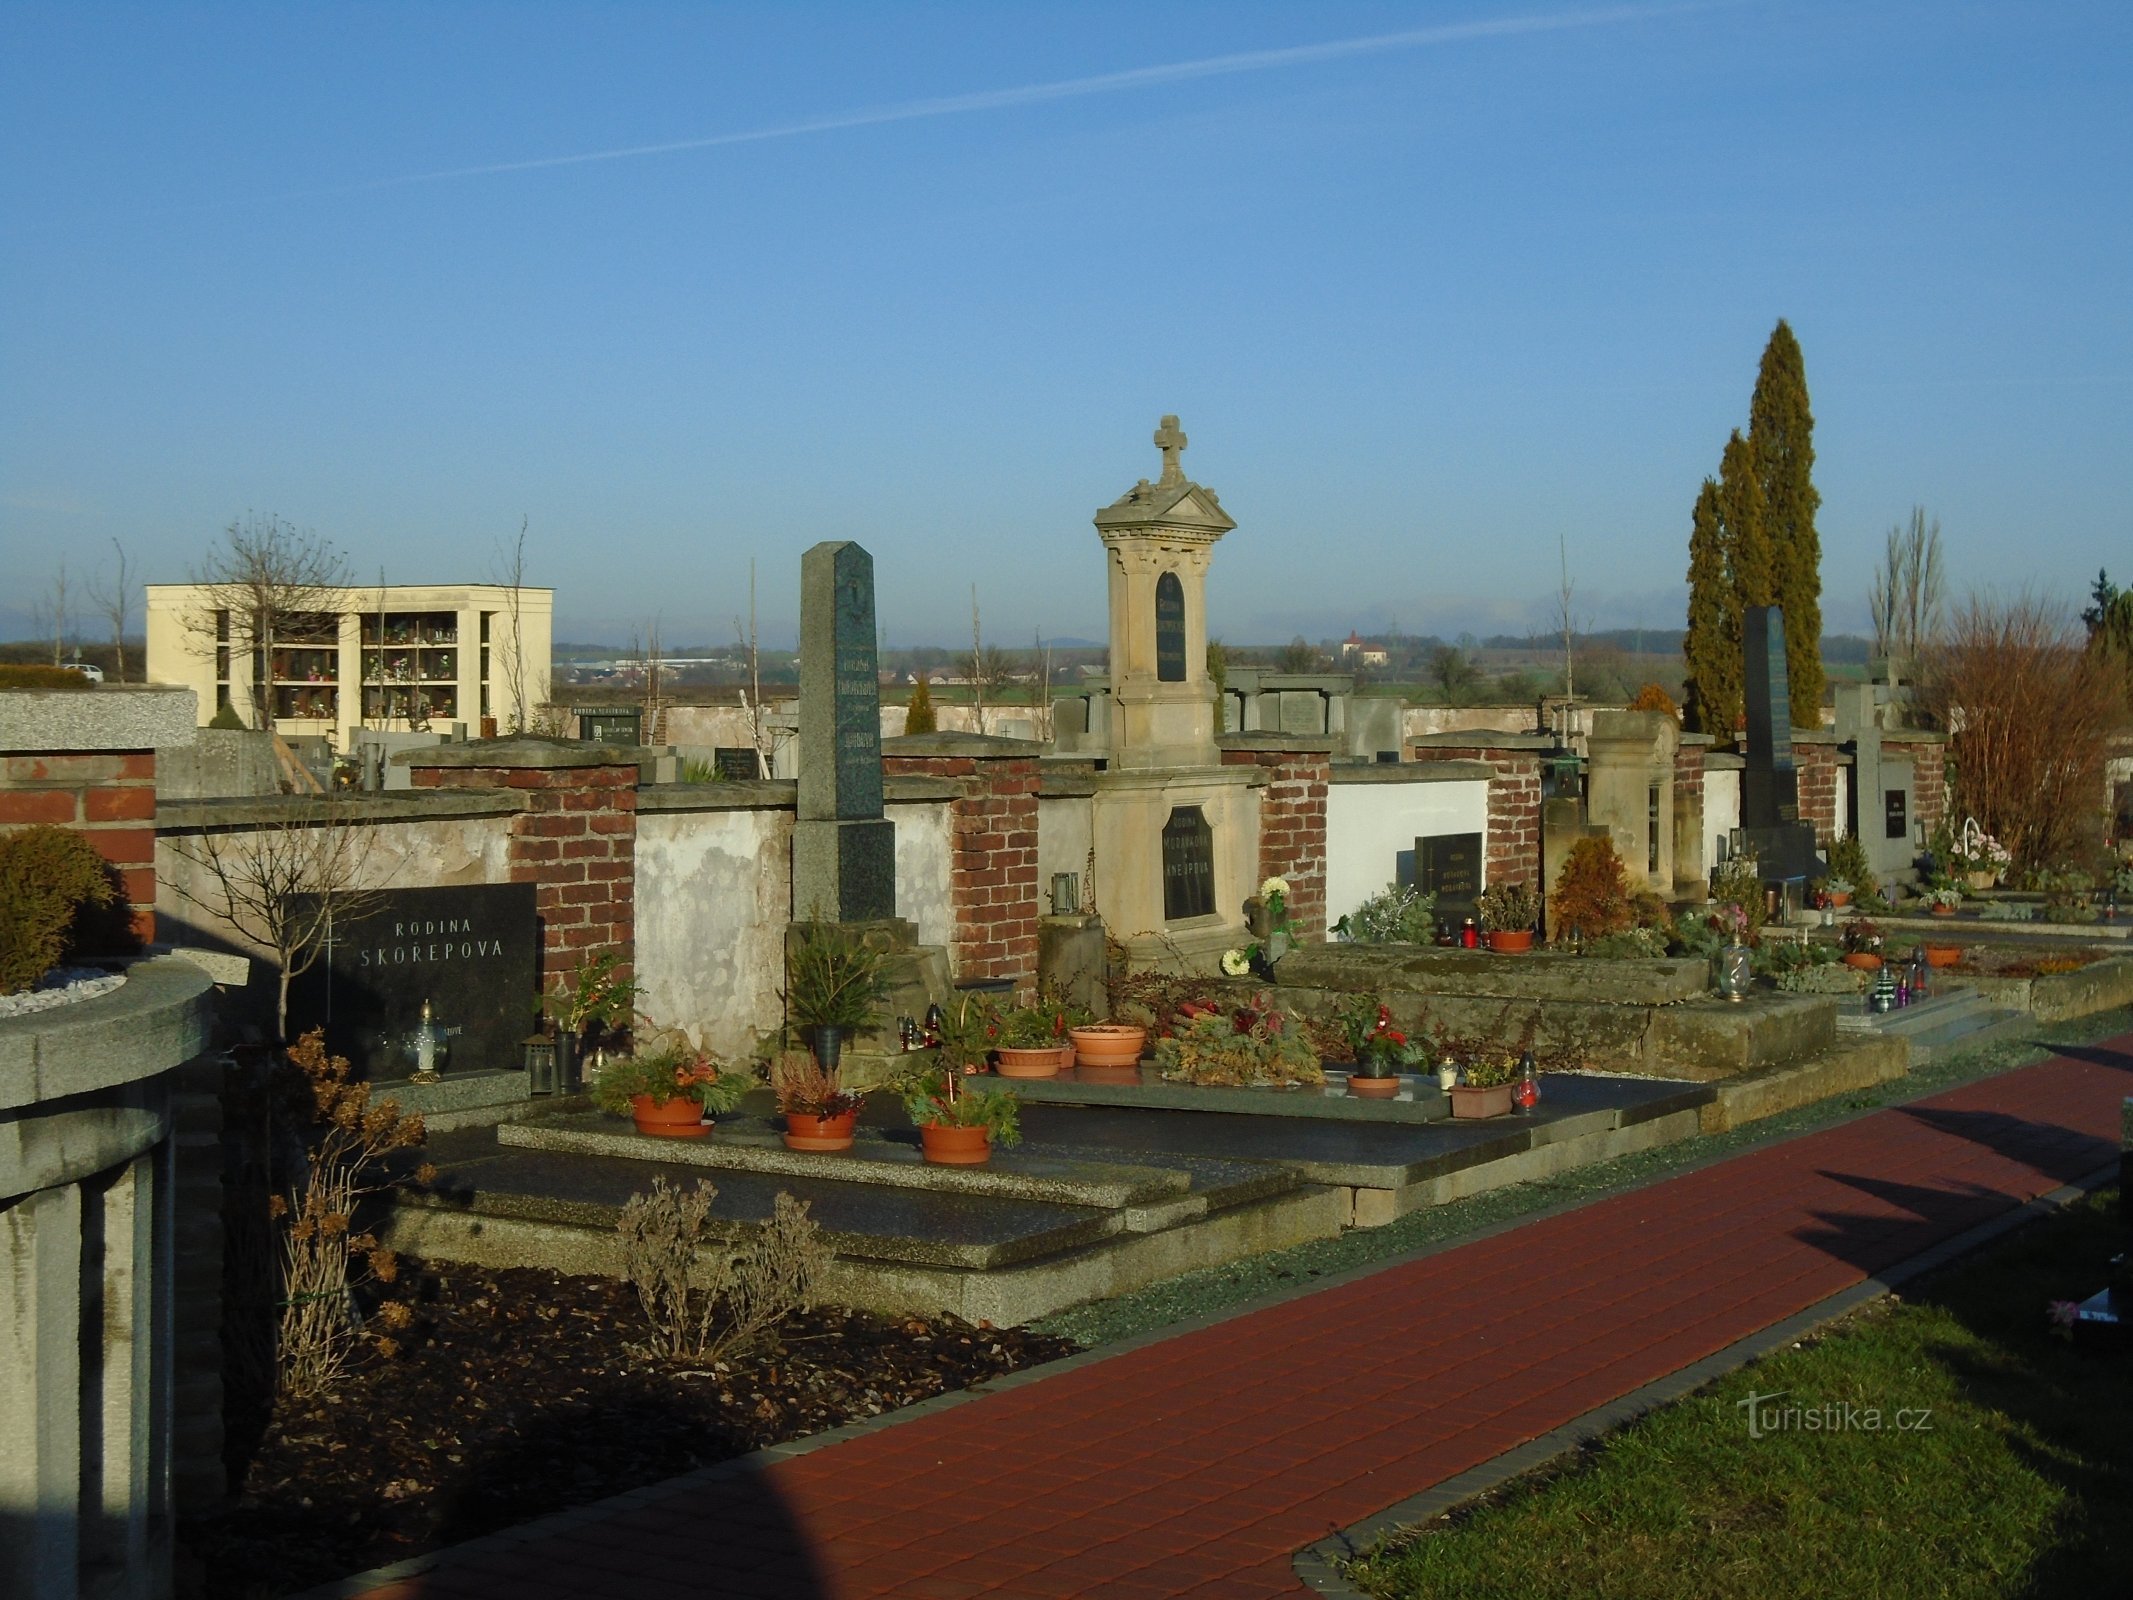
(520, 1392)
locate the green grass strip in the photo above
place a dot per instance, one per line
(1948, 1443)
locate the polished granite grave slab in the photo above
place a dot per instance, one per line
(1420, 1100)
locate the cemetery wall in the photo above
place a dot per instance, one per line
(1066, 824)
(1929, 777)
(1374, 814)
(1823, 789)
(1292, 818)
(1419, 721)
(86, 761)
(1514, 825)
(992, 864)
(1721, 802)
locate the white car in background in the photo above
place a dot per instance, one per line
(94, 674)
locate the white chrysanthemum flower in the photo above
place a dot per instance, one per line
(1236, 963)
(1272, 887)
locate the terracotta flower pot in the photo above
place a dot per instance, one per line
(1843, 899)
(1511, 941)
(955, 1147)
(1864, 960)
(1943, 911)
(805, 1132)
(1019, 1063)
(1108, 1044)
(1494, 1101)
(1943, 955)
(1373, 1088)
(680, 1118)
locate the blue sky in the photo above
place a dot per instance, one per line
(1425, 305)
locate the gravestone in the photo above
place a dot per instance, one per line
(1771, 830)
(1448, 865)
(1188, 865)
(1169, 629)
(843, 849)
(470, 950)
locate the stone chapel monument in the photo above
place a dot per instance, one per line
(1176, 833)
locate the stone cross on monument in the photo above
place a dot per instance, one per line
(1170, 439)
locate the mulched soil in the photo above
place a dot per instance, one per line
(2007, 961)
(520, 1393)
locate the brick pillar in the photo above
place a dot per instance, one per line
(1292, 818)
(106, 796)
(1929, 782)
(1513, 847)
(993, 868)
(575, 841)
(1817, 767)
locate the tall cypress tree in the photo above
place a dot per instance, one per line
(1712, 645)
(1744, 529)
(1781, 432)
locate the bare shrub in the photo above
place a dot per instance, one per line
(2028, 713)
(325, 1258)
(702, 1298)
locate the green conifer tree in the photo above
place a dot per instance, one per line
(1781, 432)
(1712, 645)
(1744, 529)
(920, 717)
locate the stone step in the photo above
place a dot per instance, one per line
(1853, 1063)
(1922, 1016)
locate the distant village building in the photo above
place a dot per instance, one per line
(410, 656)
(1362, 653)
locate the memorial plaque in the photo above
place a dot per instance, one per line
(840, 685)
(1448, 865)
(1770, 787)
(1188, 865)
(1895, 814)
(470, 950)
(1169, 629)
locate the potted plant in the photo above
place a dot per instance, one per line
(1839, 890)
(1508, 912)
(1944, 899)
(1862, 944)
(594, 1001)
(1115, 1044)
(668, 1091)
(1485, 1085)
(835, 985)
(969, 1026)
(819, 1111)
(1034, 1041)
(1377, 1050)
(958, 1123)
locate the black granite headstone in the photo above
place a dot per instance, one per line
(1448, 865)
(1169, 629)
(1188, 865)
(844, 850)
(1769, 783)
(470, 950)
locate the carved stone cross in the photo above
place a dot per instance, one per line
(1170, 440)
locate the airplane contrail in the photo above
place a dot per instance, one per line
(1064, 89)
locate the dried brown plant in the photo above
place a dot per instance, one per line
(2029, 714)
(326, 1258)
(704, 1298)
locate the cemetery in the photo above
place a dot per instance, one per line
(964, 1030)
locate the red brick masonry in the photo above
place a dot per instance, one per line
(1292, 829)
(108, 796)
(993, 858)
(1514, 842)
(576, 841)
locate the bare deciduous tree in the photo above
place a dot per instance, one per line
(280, 885)
(1906, 594)
(511, 573)
(762, 735)
(2029, 714)
(116, 603)
(271, 578)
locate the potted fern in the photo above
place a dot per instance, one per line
(668, 1092)
(835, 984)
(958, 1123)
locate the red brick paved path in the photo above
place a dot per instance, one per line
(1195, 1465)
